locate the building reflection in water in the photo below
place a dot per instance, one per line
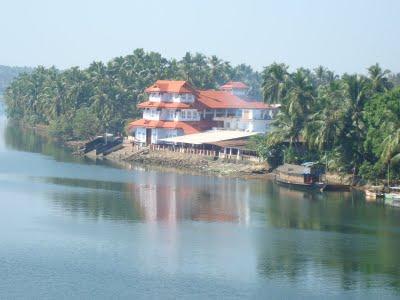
(209, 200)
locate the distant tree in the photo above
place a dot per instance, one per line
(85, 124)
(275, 82)
(113, 90)
(379, 79)
(7, 75)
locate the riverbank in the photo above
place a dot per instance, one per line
(129, 157)
(189, 162)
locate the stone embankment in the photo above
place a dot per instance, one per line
(193, 163)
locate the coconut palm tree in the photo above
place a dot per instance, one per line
(275, 82)
(323, 128)
(379, 79)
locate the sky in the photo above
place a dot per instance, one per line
(343, 35)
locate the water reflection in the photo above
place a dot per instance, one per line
(167, 201)
(304, 234)
(334, 240)
(333, 232)
(28, 140)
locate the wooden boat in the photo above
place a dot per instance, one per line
(305, 176)
(393, 197)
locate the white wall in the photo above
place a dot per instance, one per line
(246, 125)
(171, 115)
(171, 97)
(187, 115)
(162, 133)
(156, 134)
(259, 114)
(140, 134)
(155, 97)
(151, 114)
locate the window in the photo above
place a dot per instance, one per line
(189, 114)
(167, 97)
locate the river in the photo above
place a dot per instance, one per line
(76, 228)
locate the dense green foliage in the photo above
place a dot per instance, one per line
(348, 121)
(7, 74)
(110, 92)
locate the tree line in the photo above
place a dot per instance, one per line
(349, 122)
(7, 75)
(79, 103)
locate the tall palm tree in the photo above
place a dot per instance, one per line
(323, 128)
(324, 76)
(275, 82)
(358, 92)
(391, 145)
(379, 79)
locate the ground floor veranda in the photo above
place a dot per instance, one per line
(229, 153)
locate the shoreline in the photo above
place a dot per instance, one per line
(186, 163)
(189, 163)
(181, 162)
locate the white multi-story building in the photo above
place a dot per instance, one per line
(175, 108)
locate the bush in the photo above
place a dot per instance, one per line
(61, 128)
(85, 124)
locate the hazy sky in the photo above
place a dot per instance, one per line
(344, 35)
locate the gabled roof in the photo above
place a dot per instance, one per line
(205, 99)
(234, 85)
(221, 99)
(170, 86)
(187, 127)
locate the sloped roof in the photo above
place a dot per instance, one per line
(176, 105)
(222, 99)
(209, 137)
(205, 99)
(234, 85)
(187, 127)
(242, 143)
(170, 86)
(293, 169)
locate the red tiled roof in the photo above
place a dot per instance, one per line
(170, 86)
(221, 99)
(205, 99)
(234, 85)
(176, 105)
(187, 127)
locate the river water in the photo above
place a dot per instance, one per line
(75, 228)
